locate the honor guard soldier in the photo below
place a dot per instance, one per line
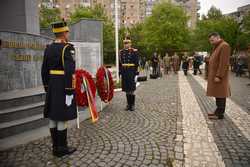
(58, 70)
(129, 62)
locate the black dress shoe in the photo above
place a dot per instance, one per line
(215, 117)
(211, 113)
(132, 108)
(61, 151)
(127, 108)
(63, 148)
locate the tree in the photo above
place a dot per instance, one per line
(47, 16)
(166, 29)
(214, 13)
(227, 27)
(97, 12)
(243, 40)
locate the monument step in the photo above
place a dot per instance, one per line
(20, 112)
(21, 97)
(21, 125)
(23, 138)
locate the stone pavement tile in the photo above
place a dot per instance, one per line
(241, 118)
(229, 137)
(195, 130)
(144, 137)
(240, 91)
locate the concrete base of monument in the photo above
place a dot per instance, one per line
(23, 120)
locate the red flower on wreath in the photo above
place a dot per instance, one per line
(104, 84)
(81, 96)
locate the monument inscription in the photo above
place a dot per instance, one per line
(21, 56)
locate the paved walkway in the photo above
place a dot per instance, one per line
(169, 128)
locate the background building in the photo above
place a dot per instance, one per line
(240, 13)
(130, 12)
(66, 6)
(190, 6)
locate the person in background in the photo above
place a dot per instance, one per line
(185, 64)
(159, 67)
(241, 59)
(176, 62)
(167, 63)
(248, 63)
(155, 62)
(196, 63)
(206, 66)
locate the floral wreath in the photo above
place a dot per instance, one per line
(104, 84)
(81, 95)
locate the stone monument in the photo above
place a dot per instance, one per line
(19, 15)
(21, 56)
(86, 35)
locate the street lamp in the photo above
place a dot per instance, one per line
(116, 41)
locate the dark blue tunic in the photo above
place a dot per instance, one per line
(59, 85)
(129, 61)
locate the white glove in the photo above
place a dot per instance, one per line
(136, 77)
(68, 100)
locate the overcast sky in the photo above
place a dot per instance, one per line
(226, 6)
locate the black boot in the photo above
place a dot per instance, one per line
(132, 108)
(53, 133)
(63, 148)
(128, 106)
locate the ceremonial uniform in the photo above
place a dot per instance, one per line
(129, 68)
(129, 62)
(58, 70)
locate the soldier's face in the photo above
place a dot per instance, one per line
(127, 45)
(66, 36)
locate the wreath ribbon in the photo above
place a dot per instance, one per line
(91, 101)
(85, 92)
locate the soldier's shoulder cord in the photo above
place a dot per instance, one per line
(63, 53)
(70, 44)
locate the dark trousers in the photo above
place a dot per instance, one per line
(185, 72)
(221, 105)
(199, 70)
(155, 70)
